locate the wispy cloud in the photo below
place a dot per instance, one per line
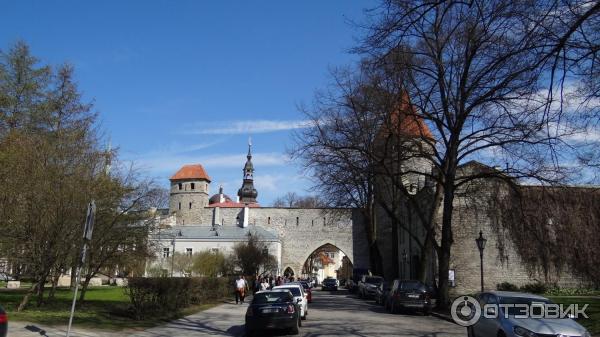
(168, 163)
(248, 127)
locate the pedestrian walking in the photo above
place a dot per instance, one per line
(240, 289)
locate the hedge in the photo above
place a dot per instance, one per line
(160, 295)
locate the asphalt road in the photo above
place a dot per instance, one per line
(342, 314)
(330, 314)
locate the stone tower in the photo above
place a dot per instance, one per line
(189, 194)
(247, 192)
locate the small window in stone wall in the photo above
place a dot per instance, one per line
(193, 186)
(268, 220)
(179, 205)
(297, 221)
(190, 205)
(188, 251)
(324, 221)
(180, 185)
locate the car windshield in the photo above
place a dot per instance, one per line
(374, 280)
(295, 291)
(272, 297)
(537, 305)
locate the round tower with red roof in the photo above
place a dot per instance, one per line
(189, 193)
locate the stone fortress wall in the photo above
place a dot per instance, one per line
(300, 230)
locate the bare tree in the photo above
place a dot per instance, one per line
(292, 199)
(476, 73)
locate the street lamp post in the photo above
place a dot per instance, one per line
(481, 246)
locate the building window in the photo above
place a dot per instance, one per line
(324, 221)
(190, 205)
(165, 252)
(265, 251)
(312, 222)
(214, 250)
(297, 221)
(180, 186)
(193, 186)
(268, 220)
(188, 251)
(332, 255)
(179, 205)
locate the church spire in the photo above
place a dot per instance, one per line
(247, 192)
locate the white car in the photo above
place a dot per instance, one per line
(299, 296)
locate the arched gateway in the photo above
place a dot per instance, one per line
(194, 222)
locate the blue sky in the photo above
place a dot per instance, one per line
(189, 81)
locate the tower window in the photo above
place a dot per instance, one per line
(297, 221)
(179, 205)
(190, 205)
(193, 186)
(324, 222)
(180, 185)
(268, 220)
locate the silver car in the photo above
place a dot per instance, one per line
(503, 325)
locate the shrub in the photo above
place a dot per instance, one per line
(162, 295)
(556, 291)
(507, 286)
(535, 288)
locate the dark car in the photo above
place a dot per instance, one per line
(330, 283)
(273, 309)
(381, 293)
(3, 323)
(367, 286)
(410, 295)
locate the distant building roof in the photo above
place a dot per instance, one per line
(214, 233)
(193, 171)
(405, 120)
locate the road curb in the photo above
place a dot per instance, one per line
(445, 317)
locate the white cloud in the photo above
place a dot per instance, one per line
(248, 127)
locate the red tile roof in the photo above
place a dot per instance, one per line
(406, 121)
(193, 171)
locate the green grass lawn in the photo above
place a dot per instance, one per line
(593, 311)
(104, 308)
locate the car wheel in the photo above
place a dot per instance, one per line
(295, 330)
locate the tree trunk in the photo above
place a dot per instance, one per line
(26, 298)
(395, 249)
(40, 291)
(73, 276)
(54, 285)
(446, 245)
(84, 287)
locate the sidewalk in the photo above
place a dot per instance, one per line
(226, 319)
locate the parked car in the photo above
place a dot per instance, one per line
(411, 295)
(330, 283)
(367, 286)
(517, 327)
(273, 309)
(3, 322)
(307, 289)
(299, 296)
(381, 293)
